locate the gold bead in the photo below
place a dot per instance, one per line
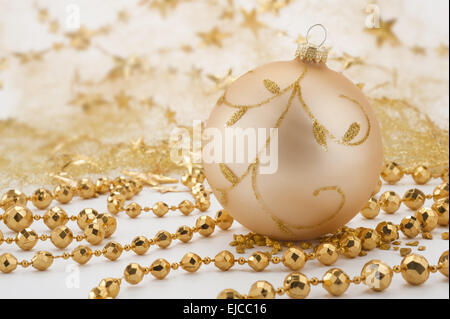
(410, 226)
(112, 286)
(17, 218)
(261, 290)
(397, 269)
(102, 185)
(441, 209)
(314, 281)
(327, 254)
(441, 191)
(369, 239)
(443, 264)
(205, 225)
(8, 263)
(98, 293)
(115, 202)
(415, 269)
(174, 266)
(276, 260)
(351, 246)
(82, 254)
(427, 218)
(160, 268)
(371, 209)
(203, 204)
(12, 198)
(414, 198)
(94, 233)
(223, 219)
(133, 273)
(421, 175)
(392, 173)
(294, 258)
(241, 261)
(229, 294)
(86, 217)
(444, 175)
(140, 245)
(120, 180)
(335, 281)
(26, 239)
(55, 217)
(129, 190)
(108, 222)
(186, 207)
(163, 239)
(133, 210)
(98, 253)
(387, 231)
(42, 260)
(191, 262)
(42, 198)
(86, 188)
(186, 180)
(258, 261)
(224, 260)
(1, 237)
(433, 269)
(112, 250)
(137, 185)
(184, 233)
(389, 202)
(63, 193)
(377, 275)
(160, 209)
(198, 175)
(61, 236)
(296, 285)
(356, 280)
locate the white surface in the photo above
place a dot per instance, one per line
(208, 281)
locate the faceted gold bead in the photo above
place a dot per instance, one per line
(86, 217)
(108, 222)
(371, 209)
(61, 236)
(351, 246)
(223, 219)
(261, 290)
(17, 218)
(198, 174)
(1, 237)
(82, 254)
(140, 245)
(377, 275)
(12, 198)
(184, 233)
(441, 208)
(415, 269)
(427, 218)
(94, 233)
(129, 190)
(296, 285)
(224, 260)
(410, 226)
(387, 231)
(414, 198)
(26, 239)
(229, 294)
(42, 198)
(258, 261)
(160, 209)
(133, 273)
(392, 173)
(120, 180)
(444, 175)
(102, 185)
(186, 207)
(335, 281)
(160, 268)
(133, 210)
(369, 239)
(203, 204)
(137, 186)
(42, 260)
(163, 239)
(389, 202)
(98, 293)
(63, 193)
(327, 254)
(294, 258)
(115, 202)
(421, 175)
(86, 188)
(441, 191)
(54, 217)
(443, 264)
(8, 263)
(112, 286)
(191, 262)
(205, 225)
(112, 250)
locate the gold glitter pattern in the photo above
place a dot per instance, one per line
(236, 116)
(271, 86)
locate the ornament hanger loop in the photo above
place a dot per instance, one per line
(325, 33)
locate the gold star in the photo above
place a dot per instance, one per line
(124, 67)
(170, 116)
(384, 33)
(251, 21)
(221, 82)
(347, 60)
(164, 5)
(228, 13)
(122, 100)
(213, 37)
(442, 50)
(272, 6)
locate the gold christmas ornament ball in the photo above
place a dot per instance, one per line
(329, 150)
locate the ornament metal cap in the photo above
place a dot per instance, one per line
(313, 53)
